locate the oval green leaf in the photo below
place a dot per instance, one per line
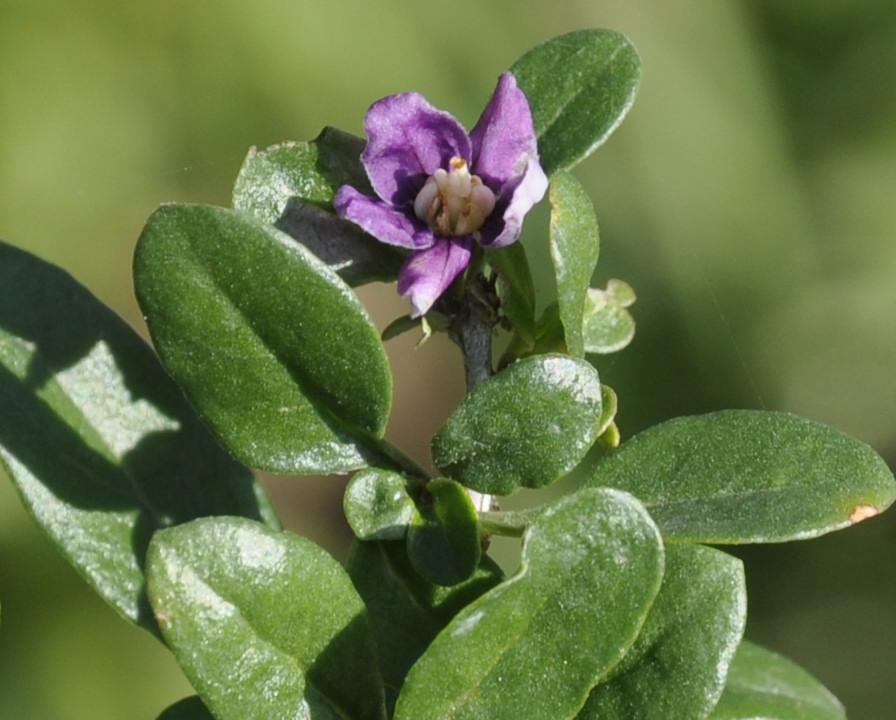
(762, 684)
(377, 505)
(575, 245)
(677, 667)
(580, 86)
(534, 646)
(265, 624)
(272, 348)
(740, 476)
(101, 444)
(526, 426)
(444, 542)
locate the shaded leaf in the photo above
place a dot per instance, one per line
(575, 245)
(526, 426)
(580, 86)
(99, 441)
(762, 684)
(740, 476)
(534, 646)
(677, 667)
(407, 611)
(265, 624)
(516, 289)
(275, 352)
(291, 186)
(443, 541)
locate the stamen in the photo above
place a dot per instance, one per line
(454, 202)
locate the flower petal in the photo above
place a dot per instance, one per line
(386, 224)
(504, 137)
(505, 223)
(408, 139)
(428, 273)
(505, 156)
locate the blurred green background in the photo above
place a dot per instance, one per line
(750, 199)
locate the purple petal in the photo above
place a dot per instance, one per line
(381, 220)
(428, 273)
(408, 139)
(505, 156)
(504, 225)
(504, 137)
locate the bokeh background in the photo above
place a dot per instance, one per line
(750, 199)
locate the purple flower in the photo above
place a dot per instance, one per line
(442, 190)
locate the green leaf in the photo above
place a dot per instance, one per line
(311, 171)
(265, 624)
(526, 426)
(741, 476)
(580, 86)
(534, 646)
(407, 611)
(764, 685)
(676, 669)
(378, 506)
(575, 245)
(190, 708)
(608, 406)
(275, 352)
(607, 325)
(444, 542)
(292, 185)
(99, 441)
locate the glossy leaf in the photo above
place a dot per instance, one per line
(273, 349)
(575, 245)
(190, 708)
(265, 624)
(608, 406)
(677, 667)
(740, 476)
(762, 684)
(534, 646)
(406, 611)
(378, 505)
(527, 426)
(580, 86)
(444, 543)
(99, 441)
(607, 325)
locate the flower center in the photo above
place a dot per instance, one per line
(453, 202)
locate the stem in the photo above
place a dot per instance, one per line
(474, 335)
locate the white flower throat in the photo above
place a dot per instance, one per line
(453, 202)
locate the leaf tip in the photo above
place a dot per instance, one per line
(862, 512)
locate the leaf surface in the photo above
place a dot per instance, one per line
(97, 438)
(575, 245)
(677, 667)
(762, 684)
(740, 476)
(266, 625)
(272, 348)
(527, 426)
(580, 86)
(534, 646)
